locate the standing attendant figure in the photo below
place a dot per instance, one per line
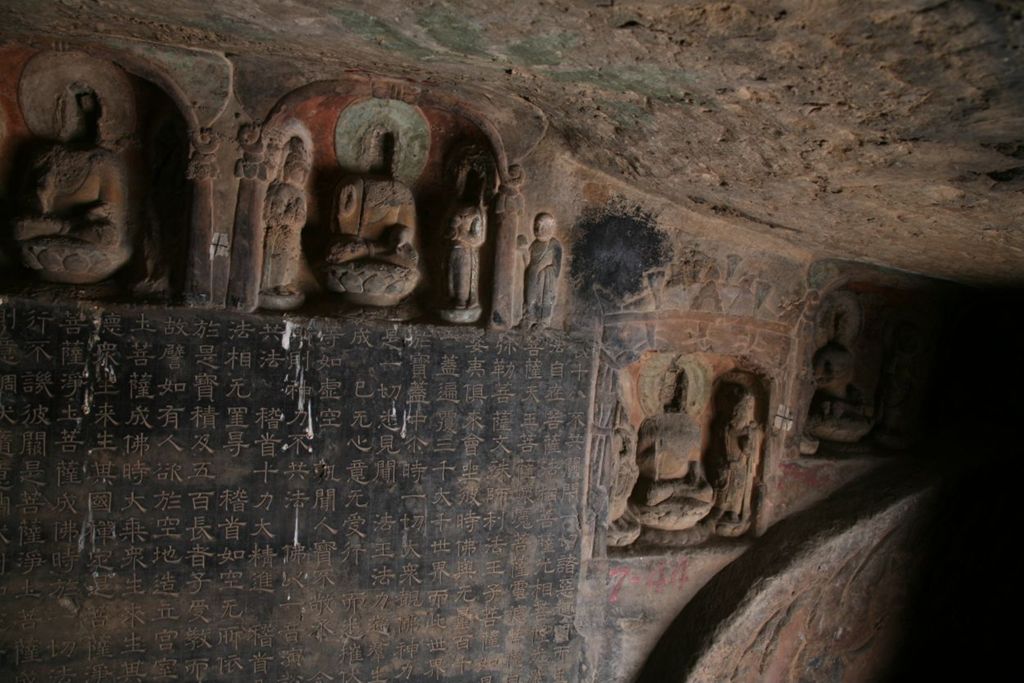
(542, 272)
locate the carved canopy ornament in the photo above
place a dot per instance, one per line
(49, 76)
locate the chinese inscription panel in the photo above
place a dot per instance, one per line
(205, 497)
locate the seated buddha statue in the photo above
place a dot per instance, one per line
(839, 412)
(373, 259)
(672, 492)
(75, 228)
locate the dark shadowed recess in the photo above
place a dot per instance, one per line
(970, 584)
(968, 575)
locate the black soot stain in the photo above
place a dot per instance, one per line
(614, 247)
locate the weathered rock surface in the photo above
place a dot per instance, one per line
(886, 132)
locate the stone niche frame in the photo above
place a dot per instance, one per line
(205, 178)
(887, 302)
(168, 189)
(457, 133)
(758, 348)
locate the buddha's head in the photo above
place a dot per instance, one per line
(833, 368)
(544, 227)
(466, 226)
(296, 162)
(381, 145)
(673, 392)
(745, 411)
(78, 115)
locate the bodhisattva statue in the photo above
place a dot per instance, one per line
(623, 528)
(742, 437)
(839, 411)
(542, 272)
(466, 233)
(76, 227)
(374, 259)
(672, 493)
(284, 216)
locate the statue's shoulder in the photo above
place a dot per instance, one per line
(102, 160)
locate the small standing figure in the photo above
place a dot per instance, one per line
(623, 527)
(466, 234)
(742, 437)
(284, 216)
(542, 272)
(839, 411)
(509, 245)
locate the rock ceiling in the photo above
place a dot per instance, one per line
(890, 132)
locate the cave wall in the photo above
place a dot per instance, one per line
(567, 434)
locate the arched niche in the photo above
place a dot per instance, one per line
(867, 346)
(96, 194)
(690, 451)
(446, 157)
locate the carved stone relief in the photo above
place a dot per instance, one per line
(414, 208)
(738, 435)
(673, 493)
(474, 181)
(99, 196)
(273, 170)
(373, 259)
(509, 268)
(466, 233)
(840, 411)
(870, 357)
(284, 217)
(358, 133)
(424, 220)
(732, 285)
(76, 224)
(622, 526)
(543, 266)
(696, 458)
(404, 226)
